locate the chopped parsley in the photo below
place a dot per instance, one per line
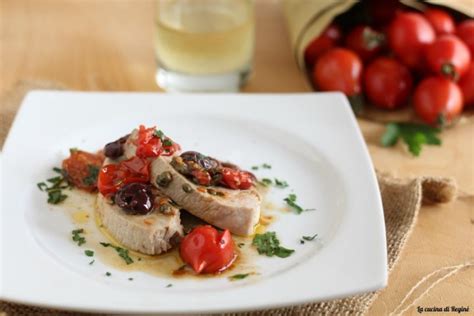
(291, 201)
(91, 178)
(89, 253)
(238, 276)
(122, 252)
(130, 279)
(281, 183)
(169, 285)
(108, 273)
(76, 236)
(167, 142)
(55, 187)
(159, 133)
(269, 245)
(92, 262)
(308, 238)
(265, 182)
(240, 244)
(264, 166)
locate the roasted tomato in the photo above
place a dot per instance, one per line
(82, 169)
(208, 251)
(329, 38)
(153, 143)
(440, 20)
(387, 83)
(467, 86)
(338, 69)
(437, 100)
(465, 31)
(365, 42)
(113, 177)
(448, 56)
(408, 35)
(236, 179)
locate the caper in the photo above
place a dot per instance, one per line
(212, 192)
(165, 209)
(164, 179)
(187, 188)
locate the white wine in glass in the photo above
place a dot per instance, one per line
(204, 45)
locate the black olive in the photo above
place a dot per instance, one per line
(135, 198)
(206, 162)
(115, 149)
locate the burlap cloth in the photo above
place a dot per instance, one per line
(401, 198)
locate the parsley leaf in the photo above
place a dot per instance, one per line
(281, 183)
(265, 182)
(91, 178)
(76, 236)
(122, 252)
(266, 166)
(254, 167)
(56, 185)
(92, 262)
(269, 245)
(108, 273)
(169, 285)
(308, 238)
(167, 142)
(159, 133)
(88, 253)
(291, 201)
(414, 135)
(238, 276)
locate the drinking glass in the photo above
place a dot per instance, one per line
(204, 45)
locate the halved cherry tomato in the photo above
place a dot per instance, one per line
(365, 42)
(440, 20)
(408, 34)
(448, 56)
(81, 169)
(467, 86)
(465, 31)
(237, 179)
(338, 69)
(387, 83)
(148, 144)
(437, 100)
(329, 38)
(202, 176)
(208, 251)
(113, 177)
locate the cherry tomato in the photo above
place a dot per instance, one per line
(81, 169)
(440, 20)
(236, 179)
(448, 56)
(387, 83)
(113, 177)
(408, 34)
(437, 100)
(365, 42)
(467, 86)
(338, 69)
(208, 251)
(148, 145)
(329, 38)
(465, 31)
(202, 176)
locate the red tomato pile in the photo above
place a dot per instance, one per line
(420, 58)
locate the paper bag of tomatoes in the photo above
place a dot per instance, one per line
(395, 62)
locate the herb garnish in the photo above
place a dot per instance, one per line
(159, 133)
(54, 190)
(130, 279)
(414, 135)
(122, 252)
(308, 238)
(108, 273)
(281, 183)
(238, 276)
(89, 253)
(169, 285)
(291, 201)
(240, 244)
(265, 182)
(167, 142)
(90, 263)
(264, 166)
(76, 236)
(91, 178)
(269, 245)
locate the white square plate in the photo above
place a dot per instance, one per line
(311, 140)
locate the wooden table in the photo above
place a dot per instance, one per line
(107, 45)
